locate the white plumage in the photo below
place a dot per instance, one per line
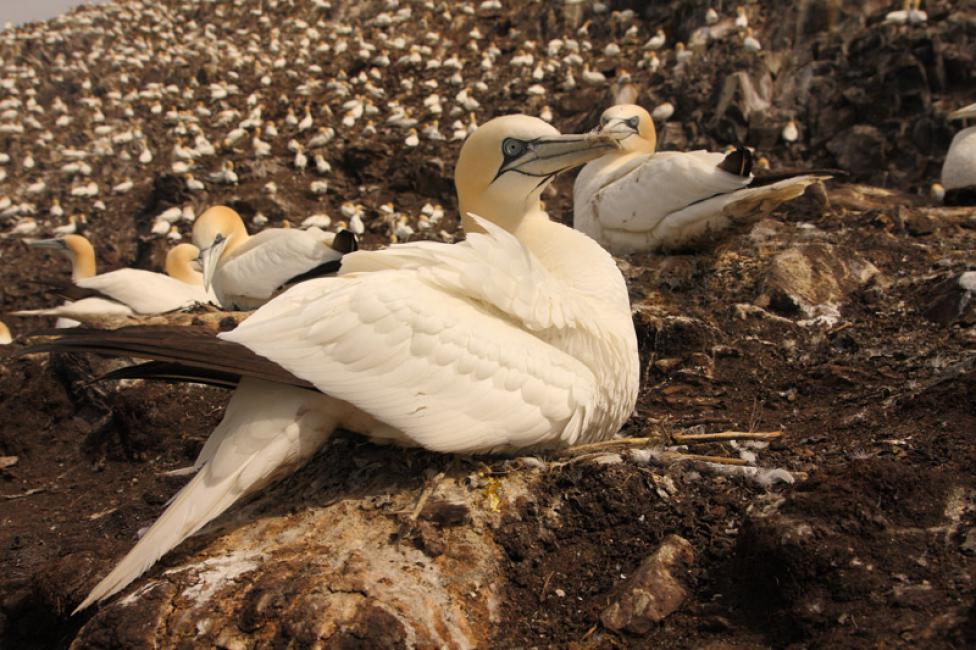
(245, 271)
(520, 336)
(638, 200)
(959, 168)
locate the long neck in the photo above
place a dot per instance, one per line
(82, 262)
(508, 214)
(607, 342)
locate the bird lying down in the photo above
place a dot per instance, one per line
(519, 337)
(635, 200)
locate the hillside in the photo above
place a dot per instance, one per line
(840, 320)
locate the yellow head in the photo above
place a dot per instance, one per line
(78, 249)
(632, 125)
(179, 264)
(507, 162)
(217, 232)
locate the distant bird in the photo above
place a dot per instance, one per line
(142, 292)
(245, 271)
(657, 41)
(749, 42)
(663, 112)
(636, 200)
(790, 133)
(959, 168)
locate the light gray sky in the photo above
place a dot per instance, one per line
(22, 11)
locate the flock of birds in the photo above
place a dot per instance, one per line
(518, 337)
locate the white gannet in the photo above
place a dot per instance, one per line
(636, 200)
(245, 271)
(520, 337)
(959, 168)
(124, 291)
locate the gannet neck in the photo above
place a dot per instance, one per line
(179, 264)
(82, 255)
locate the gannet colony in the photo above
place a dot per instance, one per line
(409, 323)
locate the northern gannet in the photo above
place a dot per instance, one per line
(959, 168)
(135, 290)
(520, 337)
(636, 200)
(245, 271)
(5, 336)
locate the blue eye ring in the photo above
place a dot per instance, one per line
(512, 148)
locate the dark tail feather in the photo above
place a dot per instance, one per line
(174, 372)
(188, 347)
(345, 242)
(738, 162)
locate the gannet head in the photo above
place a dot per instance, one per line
(179, 264)
(78, 249)
(632, 125)
(507, 162)
(216, 232)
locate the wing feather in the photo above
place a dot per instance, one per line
(144, 291)
(436, 365)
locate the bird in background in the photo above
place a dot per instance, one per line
(245, 270)
(122, 292)
(959, 168)
(636, 200)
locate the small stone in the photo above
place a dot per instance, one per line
(654, 591)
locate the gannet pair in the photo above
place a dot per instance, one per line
(519, 337)
(959, 168)
(125, 292)
(635, 200)
(246, 271)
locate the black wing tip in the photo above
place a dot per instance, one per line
(738, 162)
(345, 242)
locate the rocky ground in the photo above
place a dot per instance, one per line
(844, 320)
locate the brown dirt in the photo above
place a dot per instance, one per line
(879, 409)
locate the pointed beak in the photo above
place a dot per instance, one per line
(546, 157)
(57, 244)
(963, 113)
(210, 258)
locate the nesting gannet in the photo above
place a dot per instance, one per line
(637, 200)
(141, 292)
(5, 336)
(245, 271)
(959, 168)
(519, 337)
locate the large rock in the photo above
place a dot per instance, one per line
(813, 280)
(363, 559)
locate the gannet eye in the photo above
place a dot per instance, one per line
(512, 148)
(633, 122)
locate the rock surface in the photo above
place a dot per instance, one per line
(654, 591)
